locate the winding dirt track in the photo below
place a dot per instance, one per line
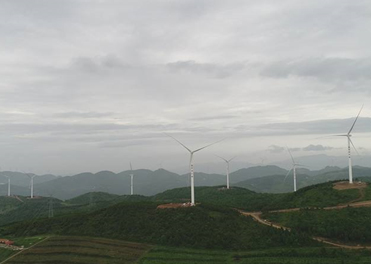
(257, 217)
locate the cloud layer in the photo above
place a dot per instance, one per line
(98, 83)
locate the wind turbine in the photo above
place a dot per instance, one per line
(227, 163)
(348, 135)
(192, 152)
(31, 176)
(131, 180)
(8, 184)
(293, 169)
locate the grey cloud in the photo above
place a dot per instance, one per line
(83, 114)
(213, 118)
(99, 64)
(275, 149)
(214, 70)
(326, 69)
(331, 126)
(317, 148)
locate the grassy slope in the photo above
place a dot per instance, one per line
(350, 225)
(82, 250)
(200, 227)
(15, 211)
(166, 255)
(320, 195)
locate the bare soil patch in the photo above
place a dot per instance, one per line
(344, 185)
(173, 205)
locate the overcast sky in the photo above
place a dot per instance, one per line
(92, 85)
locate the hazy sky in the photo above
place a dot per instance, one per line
(92, 85)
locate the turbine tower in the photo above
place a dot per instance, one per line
(31, 176)
(131, 180)
(293, 169)
(192, 152)
(227, 165)
(348, 135)
(8, 184)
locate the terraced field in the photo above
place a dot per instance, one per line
(81, 250)
(319, 255)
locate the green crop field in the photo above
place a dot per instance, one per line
(319, 255)
(82, 250)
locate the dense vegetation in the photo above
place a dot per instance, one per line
(319, 195)
(14, 210)
(346, 225)
(202, 226)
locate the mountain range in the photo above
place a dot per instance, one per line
(270, 178)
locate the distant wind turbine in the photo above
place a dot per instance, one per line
(192, 152)
(131, 180)
(8, 184)
(348, 135)
(227, 165)
(293, 169)
(31, 176)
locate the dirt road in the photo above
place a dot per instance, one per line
(257, 217)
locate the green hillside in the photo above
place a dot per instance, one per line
(28, 209)
(312, 196)
(234, 198)
(13, 210)
(319, 195)
(276, 183)
(256, 172)
(185, 227)
(349, 225)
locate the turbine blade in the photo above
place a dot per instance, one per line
(208, 145)
(353, 146)
(293, 161)
(232, 159)
(131, 168)
(222, 158)
(355, 120)
(178, 142)
(287, 174)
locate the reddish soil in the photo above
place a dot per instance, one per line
(344, 185)
(173, 205)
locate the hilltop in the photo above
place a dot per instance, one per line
(319, 195)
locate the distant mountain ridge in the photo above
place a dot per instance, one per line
(268, 178)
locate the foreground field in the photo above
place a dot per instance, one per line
(320, 255)
(73, 250)
(81, 250)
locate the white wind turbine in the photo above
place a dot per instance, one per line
(227, 165)
(293, 169)
(131, 180)
(8, 184)
(348, 135)
(31, 176)
(191, 165)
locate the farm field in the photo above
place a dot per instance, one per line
(97, 250)
(63, 249)
(318, 255)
